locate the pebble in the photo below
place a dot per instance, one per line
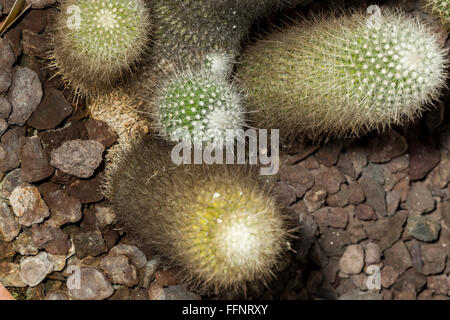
(28, 205)
(389, 275)
(105, 216)
(331, 217)
(177, 292)
(365, 212)
(9, 227)
(423, 228)
(334, 241)
(93, 285)
(386, 231)
(33, 270)
(339, 199)
(298, 177)
(330, 178)
(423, 157)
(11, 180)
(24, 95)
(146, 274)
(439, 284)
(11, 143)
(392, 202)
(79, 158)
(86, 190)
(352, 261)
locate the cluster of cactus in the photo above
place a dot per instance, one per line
(95, 43)
(202, 106)
(219, 227)
(343, 76)
(440, 8)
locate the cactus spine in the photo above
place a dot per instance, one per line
(441, 8)
(343, 76)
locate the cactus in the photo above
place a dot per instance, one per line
(95, 43)
(219, 227)
(440, 8)
(199, 107)
(343, 76)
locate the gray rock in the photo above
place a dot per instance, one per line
(420, 200)
(89, 243)
(352, 261)
(3, 126)
(392, 202)
(135, 255)
(5, 108)
(79, 158)
(398, 257)
(119, 270)
(423, 228)
(433, 260)
(25, 245)
(24, 95)
(28, 205)
(93, 285)
(9, 227)
(147, 273)
(7, 57)
(373, 254)
(33, 270)
(375, 194)
(10, 182)
(5, 81)
(11, 143)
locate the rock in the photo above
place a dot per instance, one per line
(402, 188)
(345, 165)
(119, 270)
(375, 194)
(24, 95)
(7, 58)
(147, 273)
(6, 250)
(330, 178)
(11, 143)
(177, 292)
(423, 157)
(360, 295)
(53, 240)
(56, 296)
(3, 126)
(284, 194)
(365, 212)
(339, 199)
(93, 285)
(24, 245)
(64, 209)
(398, 257)
(439, 284)
(383, 148)
(398, 164)
(355, 193)
(392, 202)
(53, 139)
(405, 292)
(105, 216)
(10, 182)
(352, 261)
(35, 21)
(5, 108)
(101, 132)
(40, 4)
(28, 205)
(374, 171)
(166, 278)
(5, 81)
(33, 270)
(315, 198)
(89, 243)
(9, 275)
(445, 212)
(389, 275)
(87, 191)
(433, 260)
(298, 177)
(35, 163)
(334, 241)
(420, 200)
(307, 231)
(373, 254)
(53, 109)
(386, 231)
(328, 154)
(35, 45)
(331, 217)
(135, 255)
(9, 227)
(58, 261)
(79, 158)
(423, 228)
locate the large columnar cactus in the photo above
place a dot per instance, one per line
(343, 76)
(97, 42)
(199, 107)
(439, 7)
(218, 226)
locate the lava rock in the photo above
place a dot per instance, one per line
(383, 148)
(33, 270)
(398, 257)
(35, 164)
(93, 285)
(386, 231)
(101, 132)
(64, 209)
(89, 243)
(352, 261)
(134, 254)
(433, 259)
(375, 194)
(53, 240)
(298, 177)
(11, 143)
(5, 108)
(423, 228)
(420, 200)
(9, 227)
(119, 270)
(328, 155)
(355, 193)
(28, 205)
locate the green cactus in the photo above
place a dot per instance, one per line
(199, 107)
(97, 42)
(219, 227)
(440, 8)
(343, 76)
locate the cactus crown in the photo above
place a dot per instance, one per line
(96, 42)
(344, 76)
(440, 8)
(219, 227)
(199, 107)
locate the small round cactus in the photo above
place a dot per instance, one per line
(440, 8)
(199, 107)
(97, 42)
(219, 227)
(343, 76)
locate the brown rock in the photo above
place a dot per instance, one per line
(339, 199)
(352, 261)
(298, 177)
(35, 163)
(101, 132)
(53, 240)
(433, 260)
(355, 193)
(386, 231)
(365, 212)
(383, 148)
(398, 257)
(28, 205)
(328, 154)
(315, 198)
(87, 191)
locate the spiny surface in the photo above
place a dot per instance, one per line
(199, 107)
(343, 76)
(439, 7)
(216, 224)
(96, 42)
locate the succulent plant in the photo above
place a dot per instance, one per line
(440, 8)
(97, 42)
(199, 107)
(214, 223)
(343, 76)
